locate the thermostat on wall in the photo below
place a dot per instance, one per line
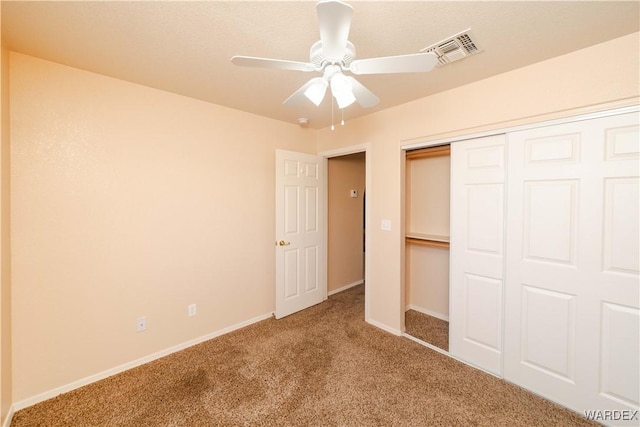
(354, 193)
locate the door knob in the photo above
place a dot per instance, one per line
(283, 243)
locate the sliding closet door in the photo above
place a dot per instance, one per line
(477, 251)
(572, 295)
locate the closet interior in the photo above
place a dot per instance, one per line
(427, 245)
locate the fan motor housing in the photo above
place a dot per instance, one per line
(318, 59)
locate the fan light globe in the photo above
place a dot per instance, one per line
(342, 90)
(315, 93)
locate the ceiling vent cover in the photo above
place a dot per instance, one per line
(454, 48)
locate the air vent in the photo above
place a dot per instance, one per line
(454, 48)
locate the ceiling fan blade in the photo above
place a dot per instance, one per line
(334, 20)
(298, 96)
(364, 96)
(280, 64)
(413, 63)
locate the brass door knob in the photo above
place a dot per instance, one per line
(283, 243)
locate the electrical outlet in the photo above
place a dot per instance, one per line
(192, 310)
(141, 324)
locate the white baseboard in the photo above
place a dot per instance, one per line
(427, 312)
(129, 365)
(385, 327)
(426, 344)
(7, 420)
(344, 288)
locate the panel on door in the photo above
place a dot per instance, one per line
(572, 293)
(300, 267)
(477, 251)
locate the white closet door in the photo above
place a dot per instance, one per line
(477, 251)
(572, 294)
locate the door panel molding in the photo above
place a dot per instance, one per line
(572, 292)
(300, 238)
(477, 251)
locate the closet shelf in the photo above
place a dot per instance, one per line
(424, 153)
(425, 236)
(427, 239)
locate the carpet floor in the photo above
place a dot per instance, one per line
(323, 366)
(427, 328)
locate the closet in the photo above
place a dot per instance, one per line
(544, 284)
(427, 245)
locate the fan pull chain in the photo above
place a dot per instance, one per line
(342, 122)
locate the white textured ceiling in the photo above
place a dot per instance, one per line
(185, 47)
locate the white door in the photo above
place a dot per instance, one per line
(477, 251)
(300, 254)
(572, 296)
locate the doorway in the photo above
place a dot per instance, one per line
(347, 178)
(345, 206)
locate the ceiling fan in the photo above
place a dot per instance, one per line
(333, 55)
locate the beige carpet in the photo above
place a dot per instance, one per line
(427, 328)
(322, 367)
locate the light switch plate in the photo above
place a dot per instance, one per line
(386, 225)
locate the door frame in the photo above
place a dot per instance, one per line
(326, 155)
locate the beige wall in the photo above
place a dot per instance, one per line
(427, 203)
(5, 247)
(578, 82)
(427, 280)
(128, 201)
(345, 219)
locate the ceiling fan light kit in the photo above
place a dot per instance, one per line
(342, 90)
(333, 56)
(316, 91)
